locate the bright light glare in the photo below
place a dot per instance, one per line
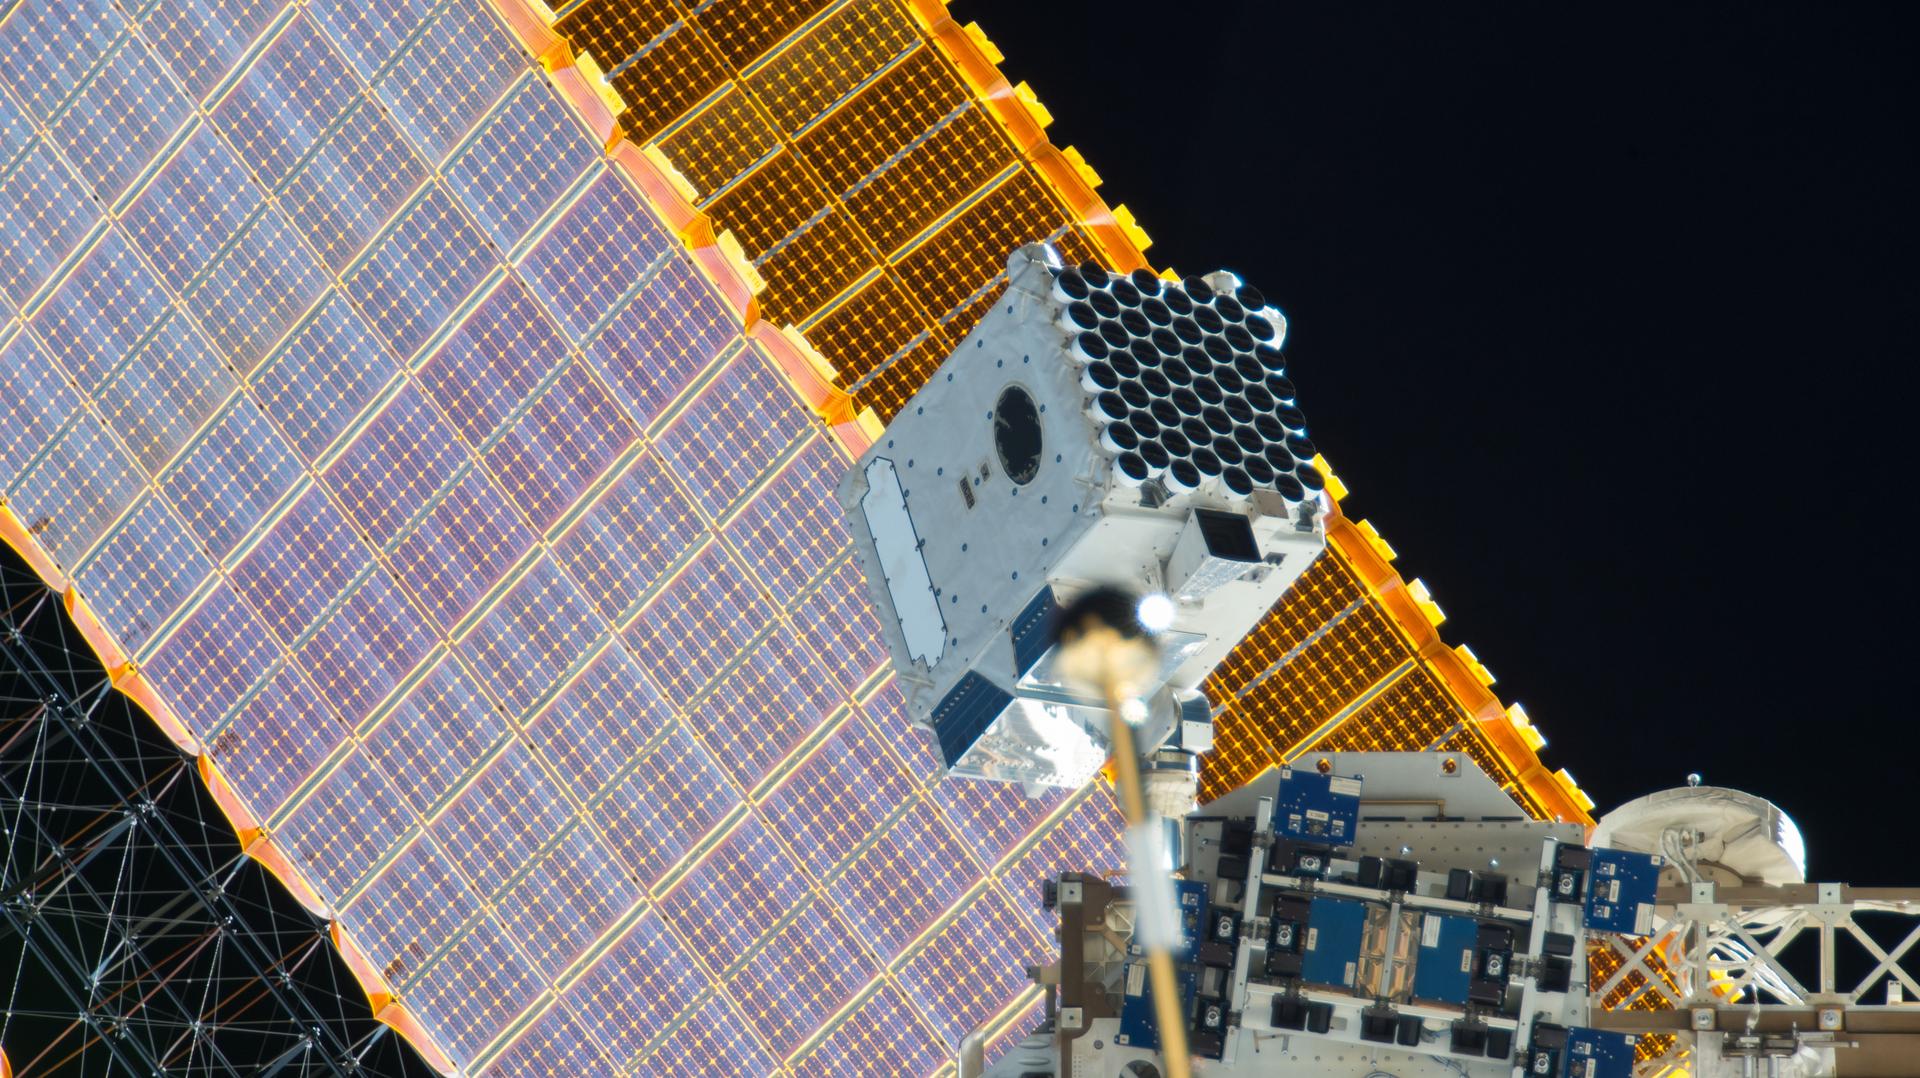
(1155, 613)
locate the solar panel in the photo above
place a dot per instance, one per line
(434, 486)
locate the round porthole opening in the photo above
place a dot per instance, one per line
(1016, 435)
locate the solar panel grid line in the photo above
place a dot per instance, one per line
(1277, 665)
(666, 878)
(973, 962)
(713, 166)
(712, 1028)
(879, 1032)
(517, 231)
(129, 113)
(143, 571)
(210, 71)
(1332, 722)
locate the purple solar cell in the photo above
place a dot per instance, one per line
(704, 618)
(366, 647)
(519, 163)
(571, 433)
(883, 1035)
(418, 274)
(836, 619)
(803, 974)
(655, 344)
(508, 815)
(39, 39)
(339, 829)
(35, 402)
(297, 89)
(792, 529)
(240, 468)
(604, 244)
(973, 967)
(302, 566)
(219, 651)
(729, 435)
(735, 895)
(462, 548)
(672, 798)
(435, 736)
(900, 885)
(761, 711)
(409, 908)
(1088, 839)
(101, 311)
(630, 538)
(203, 39)
(189, 211)
(40, 189)
(844, 790)
(600, 722)
(276, 740)
(494, 360)
(142, 572)
(326, 375)
(533, 637)
(470, 994)
(887, 710)
(565, 900)
(993, 817)
(558, 1042)
(397, 463)
(715, 1040)
(643, 981)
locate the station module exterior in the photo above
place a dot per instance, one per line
(1093, 429)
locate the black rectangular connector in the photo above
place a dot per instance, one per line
(1460, 884)
(1236, 838)
(1467, 1039)
(1398, 875)
(1221, 944)
(1560, 943)
(1569, 882)
(1407, 1032)
(1302, 859)
(1370, 869)
(1490, 890)
(1381, 1027)
(1286, 935)
(1499, 1043)
(1492, 965)
(1555, 974)
(1207, 1038)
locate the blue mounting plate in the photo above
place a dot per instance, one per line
(1332, 953)
(1620, 891)
(1594, 1053)
(1444, 969)
(1139, 1028)
(1312, 807)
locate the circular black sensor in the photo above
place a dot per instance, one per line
(1016, 435)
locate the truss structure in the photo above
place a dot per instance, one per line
(1733, 977)
(141, 940)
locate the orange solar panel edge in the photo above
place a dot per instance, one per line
(1046, 178)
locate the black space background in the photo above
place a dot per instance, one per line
(1606, 313)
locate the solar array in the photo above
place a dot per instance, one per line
(435, 488)
(429, 480)
(877, 169)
